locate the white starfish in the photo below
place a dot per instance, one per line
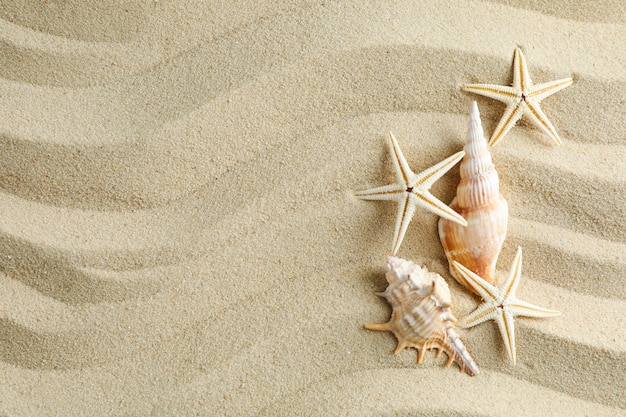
(500, 304)
(522, 98)
(413, 190)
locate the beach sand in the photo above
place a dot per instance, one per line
(179, 234)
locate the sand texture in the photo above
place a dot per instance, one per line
(179, 234)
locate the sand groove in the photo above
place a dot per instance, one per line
(102, 177)
(586, 264)
(607, 11)
(584, 206)
(272, 349)
(48, 60)
(374, 392)
(178, 234)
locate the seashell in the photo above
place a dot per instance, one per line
(421, 316)
(478, 200)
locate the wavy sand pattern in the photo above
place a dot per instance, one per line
(178, 234)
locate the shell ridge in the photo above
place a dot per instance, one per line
(478, 199)
(459, 352)
(421, 316)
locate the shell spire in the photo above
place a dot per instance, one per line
(422, 316)
(479, 201)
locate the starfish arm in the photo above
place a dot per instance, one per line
(401, 166)
(524, 309)
(431, 203)
(406, 210)
(487, 291)
(512, 113)
(512, 281)
(484, 312)
(543, 90)
(521, 77)
(506, 324)
(425, 179)
(386, 192)
(497, 92)
(539, 119)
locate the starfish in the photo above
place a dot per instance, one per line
(500, 304)
(522, 98)
(413, 190)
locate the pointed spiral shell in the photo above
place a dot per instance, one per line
(478, 200)
(421, 313)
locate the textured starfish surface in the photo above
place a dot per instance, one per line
(412, 190)
(500, 304)
(522, 98)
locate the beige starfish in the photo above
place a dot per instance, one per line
(500, 304)
(522, 98)
(413, 190)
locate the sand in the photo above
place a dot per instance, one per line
(179, 235)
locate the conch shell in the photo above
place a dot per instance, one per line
(421, 316)
(478, 200)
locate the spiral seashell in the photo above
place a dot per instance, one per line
(478, 200)
(421, 316)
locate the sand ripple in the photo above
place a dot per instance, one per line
(178, 234)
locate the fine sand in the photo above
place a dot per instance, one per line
(179, 234)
